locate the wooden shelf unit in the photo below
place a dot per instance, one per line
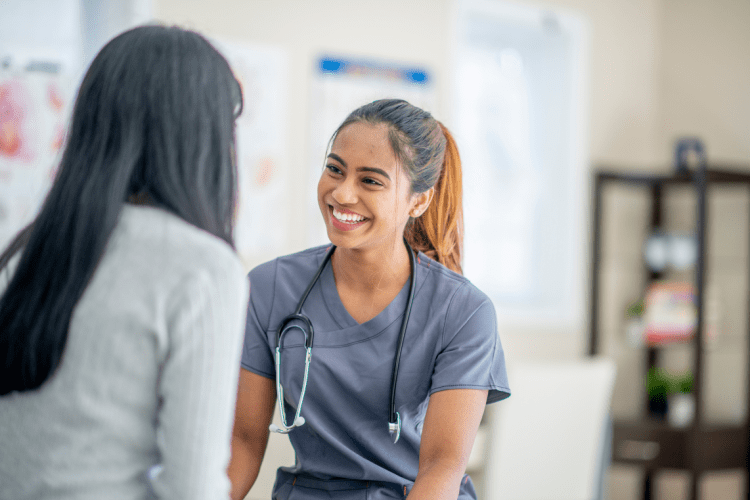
(647, 442)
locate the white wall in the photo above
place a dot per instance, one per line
(41, 30)
(705, 88)
(101, 21)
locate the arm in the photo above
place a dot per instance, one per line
(197, 386)
(256, 396)
(450, 426)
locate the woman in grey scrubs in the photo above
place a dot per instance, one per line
(392, 178)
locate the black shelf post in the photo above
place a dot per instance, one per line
(596, 256)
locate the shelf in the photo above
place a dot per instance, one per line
(656, 445)
(714, 175)
(724, 342)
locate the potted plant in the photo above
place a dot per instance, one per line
(682, 400)
(671, 396)
(658, 387)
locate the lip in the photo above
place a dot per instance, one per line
(343, 226)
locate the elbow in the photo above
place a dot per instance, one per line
(445, 465)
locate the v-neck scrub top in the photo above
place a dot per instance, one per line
(451, 343)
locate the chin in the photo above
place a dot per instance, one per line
(341, 241)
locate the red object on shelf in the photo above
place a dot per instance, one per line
(669, 312)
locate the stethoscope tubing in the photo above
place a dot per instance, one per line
(394, 418)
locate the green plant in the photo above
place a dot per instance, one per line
(635, 310)
(683, 383)
(660, 384)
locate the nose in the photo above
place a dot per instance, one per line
(345, 192)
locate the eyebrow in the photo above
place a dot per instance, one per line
(360, 169)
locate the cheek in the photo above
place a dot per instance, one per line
(396, 211)
(321, 188)
(322, 206)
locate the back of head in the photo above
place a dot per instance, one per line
(426, 150)
(156, 109)
(154, 121)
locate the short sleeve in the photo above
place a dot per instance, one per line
(257, 354)
(472, 356)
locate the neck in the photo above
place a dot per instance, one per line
(141, 198)
(372, 270)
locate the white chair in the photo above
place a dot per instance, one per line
(551, 440)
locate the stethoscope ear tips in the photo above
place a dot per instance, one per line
(273, 428)
(299, 421)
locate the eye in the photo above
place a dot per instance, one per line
(372, 182)
(333, 169)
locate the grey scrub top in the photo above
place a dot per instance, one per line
(451, 343)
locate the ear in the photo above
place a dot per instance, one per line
(420, 202)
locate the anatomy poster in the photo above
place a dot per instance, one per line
(34, 108)
(339, 87)
(260, 138)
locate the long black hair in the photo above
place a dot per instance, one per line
(154, 120)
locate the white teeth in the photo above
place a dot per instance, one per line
(349, 218)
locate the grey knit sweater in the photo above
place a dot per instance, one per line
(142, 403)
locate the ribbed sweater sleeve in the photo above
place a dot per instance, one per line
(198, 385)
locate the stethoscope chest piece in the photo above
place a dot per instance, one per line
(395, 428)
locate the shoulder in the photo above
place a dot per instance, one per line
(463, 305)
(449, 286)
(170, 249)
(283, 279)
(292, 267)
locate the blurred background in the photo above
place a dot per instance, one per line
(544, 98)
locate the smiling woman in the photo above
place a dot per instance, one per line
(364, 186)
(392, 297)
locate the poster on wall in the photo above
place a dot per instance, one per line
(262, 216)
(341, 85)
(34, 108)
(519, 114)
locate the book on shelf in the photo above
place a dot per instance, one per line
(670, 314)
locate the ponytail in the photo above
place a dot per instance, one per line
(438, 232)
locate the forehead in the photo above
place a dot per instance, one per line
(365, 143)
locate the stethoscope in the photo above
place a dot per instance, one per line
(394, 418)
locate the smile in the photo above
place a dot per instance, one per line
(350, 218)
(346, 221)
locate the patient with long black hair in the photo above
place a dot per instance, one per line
(122, 304)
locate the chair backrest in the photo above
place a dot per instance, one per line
(550, 439)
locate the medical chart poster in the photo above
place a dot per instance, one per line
(260, 139)
(341, 85)
(519, 120)
(34, 109)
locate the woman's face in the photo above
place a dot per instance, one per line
(364, 194)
